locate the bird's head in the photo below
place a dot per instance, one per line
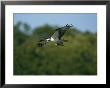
(68, 26)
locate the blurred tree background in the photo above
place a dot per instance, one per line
(78, 56)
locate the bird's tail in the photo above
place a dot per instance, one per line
(41, 42)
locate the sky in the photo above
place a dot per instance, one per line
(81, 21)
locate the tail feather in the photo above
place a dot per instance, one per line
(41, 42)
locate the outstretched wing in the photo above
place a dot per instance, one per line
(55, 36)
(58, 34)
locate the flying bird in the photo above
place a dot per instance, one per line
(56, 37)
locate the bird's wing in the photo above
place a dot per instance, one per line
(55, 36)
(61, 33)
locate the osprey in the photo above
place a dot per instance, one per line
(56, 37)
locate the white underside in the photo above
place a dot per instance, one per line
(51, 39)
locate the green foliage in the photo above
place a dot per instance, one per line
(78, 56)
(26, 27)
(43, 31)
(19, 37)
